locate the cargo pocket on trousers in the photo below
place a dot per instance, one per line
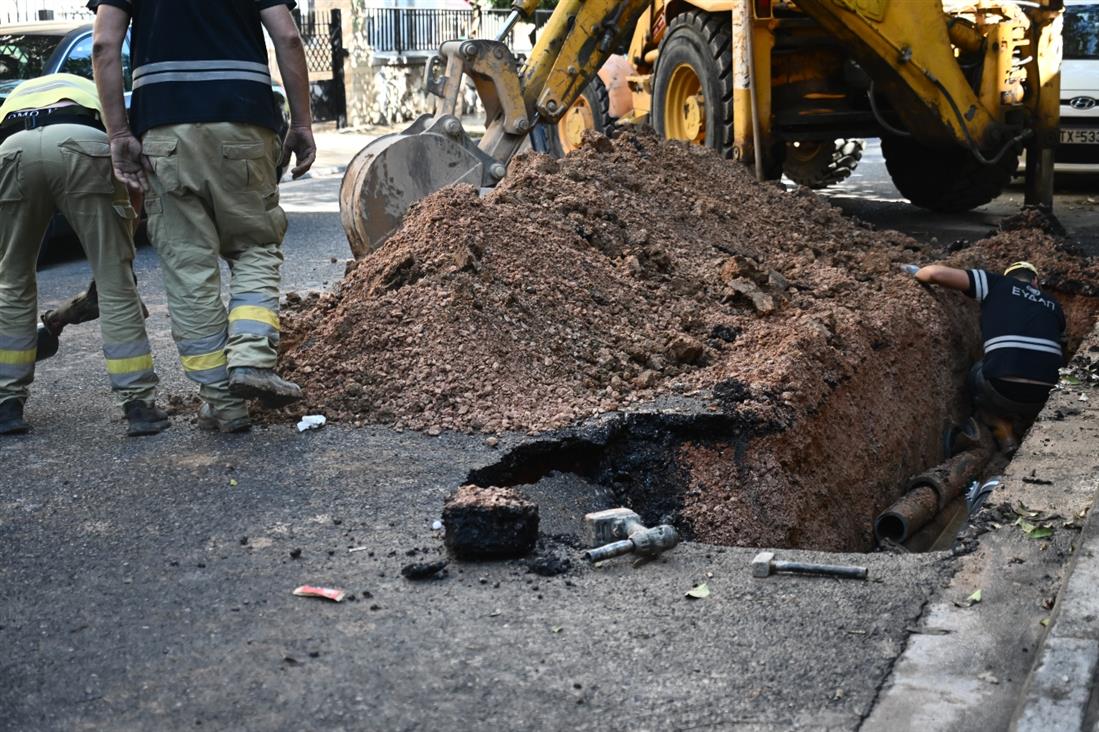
(87, 167)
(162, 157)
(11, 177)
(247, 166)
(128, 215)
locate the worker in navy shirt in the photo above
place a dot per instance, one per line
(201, 141)
(1023, 331)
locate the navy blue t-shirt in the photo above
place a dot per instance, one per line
(199, 61)
(1022, 328)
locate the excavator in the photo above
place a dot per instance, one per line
(955, 89)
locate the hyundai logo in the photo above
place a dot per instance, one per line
(1082, 103)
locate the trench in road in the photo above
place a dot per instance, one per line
(720, 476)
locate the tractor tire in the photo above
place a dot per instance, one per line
(947, 180)
(590, 111)
(818, 165)
(693, 82)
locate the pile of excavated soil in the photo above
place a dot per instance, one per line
(579, 286)
(636, 268)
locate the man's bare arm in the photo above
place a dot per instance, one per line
(939, 274)
(290, 55)
(110, 31)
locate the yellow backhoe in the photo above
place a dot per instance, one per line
(956, 90)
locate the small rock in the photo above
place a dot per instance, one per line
(746, 289)
(738, 267)
(776, 280)
(423, 570)
(723, 333)
(597, 141)
(466, 261)
(685, 349)
(295, 553)
(492, 441)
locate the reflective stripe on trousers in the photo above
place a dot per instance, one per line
(204, 358)
(17, 354)
(252, 313)
(129, 364)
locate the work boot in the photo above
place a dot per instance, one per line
(11, 418)
(48, 344)
(1004, 432)
(211, 421)
(144, 418)
(964, 436)
(272, 390)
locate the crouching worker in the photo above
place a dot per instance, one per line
(55, 156)
(1023, 330)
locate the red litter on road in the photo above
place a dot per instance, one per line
(328, 593)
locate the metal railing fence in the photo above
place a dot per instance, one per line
(416, 30)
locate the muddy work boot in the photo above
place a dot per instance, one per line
(1004, 432)
(272, 390)
(144, 419)
(11, 418)
(211, 421)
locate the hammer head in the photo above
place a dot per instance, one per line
(761, 565)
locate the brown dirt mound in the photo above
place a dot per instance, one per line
(626, 270)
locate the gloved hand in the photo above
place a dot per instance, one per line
(910, 269)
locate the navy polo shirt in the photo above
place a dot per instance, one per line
(1022, 328)
(199, 61)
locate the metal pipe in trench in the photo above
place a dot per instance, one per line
(928, 493)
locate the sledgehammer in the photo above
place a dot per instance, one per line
(765, 564)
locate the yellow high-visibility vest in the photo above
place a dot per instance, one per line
(47, 91)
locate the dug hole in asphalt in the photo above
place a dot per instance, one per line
(151, 583)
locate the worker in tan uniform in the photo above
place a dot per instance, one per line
(201, 141)
(55, 156)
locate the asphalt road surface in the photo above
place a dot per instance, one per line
(147, 583)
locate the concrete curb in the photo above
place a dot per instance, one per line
(1057, 692)
(968, 666)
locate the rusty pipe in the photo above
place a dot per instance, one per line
(929, 492)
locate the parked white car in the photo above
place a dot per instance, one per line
(1079, 148)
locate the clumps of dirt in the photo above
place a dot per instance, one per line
(587, 284)
(489, 523)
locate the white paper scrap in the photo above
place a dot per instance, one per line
(311, 422)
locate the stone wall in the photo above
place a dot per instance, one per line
(380, 90)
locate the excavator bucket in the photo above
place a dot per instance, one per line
(394, 171)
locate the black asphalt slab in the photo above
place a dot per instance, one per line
(147, 582)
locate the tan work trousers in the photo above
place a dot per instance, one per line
(68, 168)
(214, 195)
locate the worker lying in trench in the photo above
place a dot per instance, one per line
(1023, 330)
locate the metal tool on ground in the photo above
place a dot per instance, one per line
(764, 564)
(619, 531)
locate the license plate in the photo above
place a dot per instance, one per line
(1080, 137)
